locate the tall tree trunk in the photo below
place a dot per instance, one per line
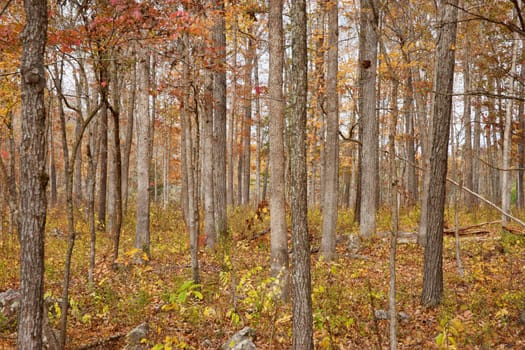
(207, 163)
(247, 122)
(33, 177)
(476, 146)
(142, 233)
(77, 190)
(369, 122)
(302, 331)
(115, 112)
(92, 151)
(230, 194)
(279, 233)
(467, 122)
(410, 143)
(442, 111)
(103, 148)
(520, 202)
(219, 121)
(258, 137)
(331, 186)
(507, 139)
(128, 136)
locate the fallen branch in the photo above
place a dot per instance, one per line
(260, 234)
(466, 228)
(513, 230)
(102, 342)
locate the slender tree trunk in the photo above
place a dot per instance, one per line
(142, 233)
(442, 111)
(302, 331)
(507, 140)
(369, 122)
(219, 121)
(115, 112)
(410, 143)
(258, 155)
(230, 194)
(476, 168)
(279, 234)
(103, 150)
(92, 151)
(520, 202)
(331, 186)
(207, 163)
(129, 136)
(33, 177)
(467, 122)
(247, 122)
(77, 190)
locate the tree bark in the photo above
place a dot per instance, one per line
(442, 108)
(467, 122)
(128, 136)
(279, 234)
(207, 163)
(302, 331)
(103, 148)
(247, 121)
(33, 177)
(369, 123)
(142, 232)
(219, 121)
(507, 139)
(331, 186)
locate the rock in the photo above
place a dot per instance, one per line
(135, 336)
(242, 340)
(385, 315)
(10, 305)
(354, 243)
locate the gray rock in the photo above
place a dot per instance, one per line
(385, 315)
(10, 305)
(242, 340)
(135, 336)
(354, 243)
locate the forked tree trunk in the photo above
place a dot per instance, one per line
(302, 331)
(442, 108)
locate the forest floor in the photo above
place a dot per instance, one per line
(479, 311)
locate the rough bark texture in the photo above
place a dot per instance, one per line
(142, 234)
(219, 120)
(33, 177)
(302, 288)
(442, 107)
(369, 123)
(103, 151)
(247, 123)
(330, 193)
(129, 137)
(279, 234)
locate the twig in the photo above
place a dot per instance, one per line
(376, 323)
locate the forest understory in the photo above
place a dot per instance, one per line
(480, 310)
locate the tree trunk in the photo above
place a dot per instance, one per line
(507, 140)
(129, 136)
(279, 234)
(117, 161)
(247, 122)
(33, 177)
(230, 194)
(142, 233)
(103, 150)
(207, 163)
(467, 122)
(219, 121)
(302, 332)
(442, 108)
(412, 191)
(369, 123)
(520, 193)
(331, 186)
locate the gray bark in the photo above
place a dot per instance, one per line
(279, 234)
(207, 163)
(331, 185)
(442, 111)
(33, 177)
(369, 122)
(302, 331)
(142, 232)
